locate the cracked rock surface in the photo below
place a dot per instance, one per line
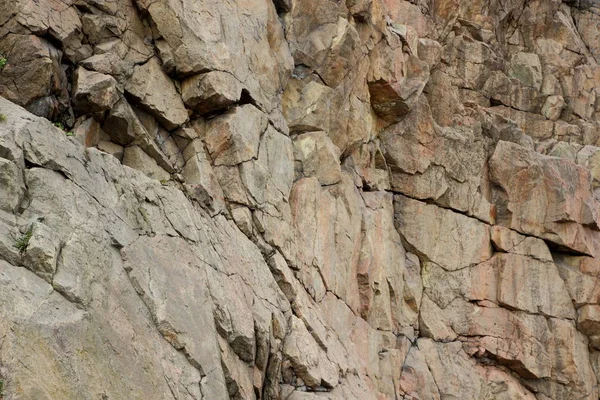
(300, 199)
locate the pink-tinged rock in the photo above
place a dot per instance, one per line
(212, 91)
(234, 137)
(533, 286)
(451, 240)
(319, 157)
(416, 379)
(443, 164)
(546, 197)
(581, 275)
(395, 80)
(387, 302)
(307, 105)
(510, 241)
(328, 252)
(89, 132)
(459, 376)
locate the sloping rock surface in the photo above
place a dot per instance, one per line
(300, 199)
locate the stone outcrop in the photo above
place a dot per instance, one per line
(299, 199)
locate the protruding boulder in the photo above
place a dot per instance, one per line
(552, 107)
(13, 187)
(234, 137)
(395, 83)
(211, 91)
(307, 358)
(112, 149)
(33, 76)
(122, 124)
(157, 94)
(547, 197)
(40, 249)
(307, 105)
(588, 319)
(527, 68)
(94, 92)
(319, 157)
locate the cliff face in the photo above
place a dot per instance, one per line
(299, 199)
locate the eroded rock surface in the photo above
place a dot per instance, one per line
(299, 199)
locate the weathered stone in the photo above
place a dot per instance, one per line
(510, 241)
(122, 124)
(330, 262)
(306, 105)
(374, 199)
(135, 157)
(234, 137)
(532, 286)
(427, 162)
(319, 157)
(23, 15)
(307, 358)
(527, 68)
(451, 240)
(40, 250)
(156, 93)
(210, 92)
(545, 197)
(394, 91)
(201, 37)
(513, 93)
(201, 182)
(170, 307)
(553, 107)
(94, 92)
(13, 188)
(33, 77)
(580, 275)
(268, 178)
(233, 317)
(112, 149)
(588, 320)
(88, 132)
(324, 42)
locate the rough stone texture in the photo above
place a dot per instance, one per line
(157, 94)
(94, 92)
(210, 92)
(299, 199)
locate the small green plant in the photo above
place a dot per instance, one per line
(59, 125)
(1, 389)
(3, 62)
(2, 117)
(23, 241)
(164, 182)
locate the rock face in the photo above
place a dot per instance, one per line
(299, 199)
